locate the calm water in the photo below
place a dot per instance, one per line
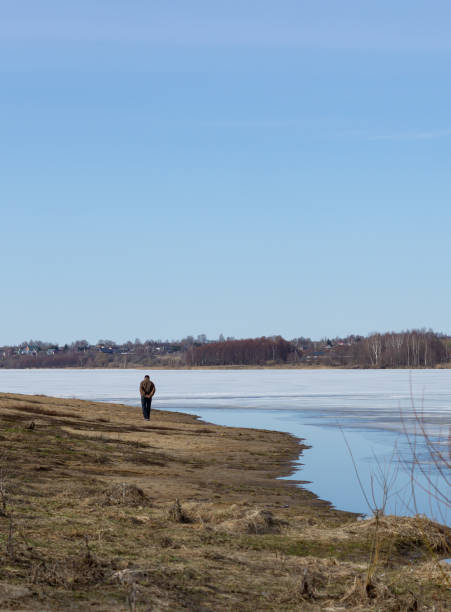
(372, 410)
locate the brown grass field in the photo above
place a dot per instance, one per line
(102, 511)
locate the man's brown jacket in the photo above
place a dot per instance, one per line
(146, 387)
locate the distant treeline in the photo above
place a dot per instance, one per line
(413, 349)
(254, 351)
(409, 349)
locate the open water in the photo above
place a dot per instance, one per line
(362, 425)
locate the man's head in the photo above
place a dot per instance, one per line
(147, 376)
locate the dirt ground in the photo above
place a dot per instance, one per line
(102, 511)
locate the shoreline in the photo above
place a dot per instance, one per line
(288, 447)
(186, 515)
(281, 400)
(238, 367)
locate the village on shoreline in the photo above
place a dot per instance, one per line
(409, 349)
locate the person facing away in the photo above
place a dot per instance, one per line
(147, 391)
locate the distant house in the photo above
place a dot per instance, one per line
(106, 349)
(28, 350)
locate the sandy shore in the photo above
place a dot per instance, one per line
(102, 511)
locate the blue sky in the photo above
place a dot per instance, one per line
(246, 168)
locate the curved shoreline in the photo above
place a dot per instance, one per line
(183, 515)
(270, 455)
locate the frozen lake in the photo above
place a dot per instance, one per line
(372, 409)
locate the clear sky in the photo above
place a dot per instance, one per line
(245, 167)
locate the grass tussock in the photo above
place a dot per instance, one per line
(123, 494)
(214, 514)
(177, 514)
(256, 521)
(234, 518)
(71, 572)
(407, 533)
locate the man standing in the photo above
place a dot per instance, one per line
(147, 391)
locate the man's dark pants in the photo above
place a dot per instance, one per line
(145, 404)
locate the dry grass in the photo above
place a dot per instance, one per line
(177, 514)
(71, 572)
(123, 494)
(407, 534)
(256, 521)
(103, 512)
